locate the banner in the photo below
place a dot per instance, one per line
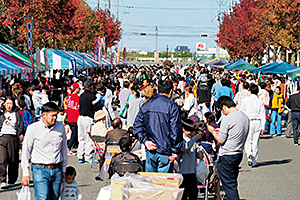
(156, 56)
(100, 54)
(38, 60)
(74, 66)
(46, 60)
(117, 56)
(124, 55)
(111, 58)
(96, 49)
(102, 40)
(172, 57)
(29, 35)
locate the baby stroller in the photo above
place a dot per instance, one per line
(211, 184)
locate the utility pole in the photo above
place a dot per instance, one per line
(98, 5)
(117, 9)
(219, 19)
(167, 51)
(109, 5)
(156, 38)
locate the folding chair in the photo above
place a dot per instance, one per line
(122, 167)
(111, 148)
(97, 149)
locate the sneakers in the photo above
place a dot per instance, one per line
(88, 162)
(70, 153)
(11, 185)
(296, 144)
(3, 185)
(274, 135)
(80, 160)
(98, 178)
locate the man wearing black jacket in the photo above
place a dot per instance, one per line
(85, 119)
(293, 103)
(203, 94)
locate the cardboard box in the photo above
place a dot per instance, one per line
(150, 191)
(165, 179)
(116, 191)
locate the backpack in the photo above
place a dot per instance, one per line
(27, 118)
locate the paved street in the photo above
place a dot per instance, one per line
(276, 177)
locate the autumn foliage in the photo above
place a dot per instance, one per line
(256, 25)
(60, 24)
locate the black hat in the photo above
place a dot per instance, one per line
(88, 84)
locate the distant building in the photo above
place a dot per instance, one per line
(143, 53)
(181, 49)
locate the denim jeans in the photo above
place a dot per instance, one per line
(156, 162)
(267, 122)
(295, 122)
(46, 182)
(275, 116)
(228, 168)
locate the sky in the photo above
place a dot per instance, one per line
(179, 23)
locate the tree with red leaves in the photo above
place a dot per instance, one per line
(59, 24)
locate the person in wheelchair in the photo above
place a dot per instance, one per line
(125, 144)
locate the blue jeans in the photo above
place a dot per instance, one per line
(46, 182)
(275, 116)
(228, 168)
(156, 162)
(267, 122)
(295, 122)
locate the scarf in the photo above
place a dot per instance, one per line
(277, 101)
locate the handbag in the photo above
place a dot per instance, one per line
(24, 194)
(201, 172)
(123, 113)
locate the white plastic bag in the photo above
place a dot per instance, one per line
(201, 172)
(104, 193)
(24, 194)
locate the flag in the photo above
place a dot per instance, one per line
(29, 35)
(38, 59)
(74, 66)
(104, 47)
(46, 60)
(111, 58)
(156, 56)
(100, 54)
(96, 49)
(124, 55)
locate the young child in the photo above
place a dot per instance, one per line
(69, 188)
(44, 95)
(61, 116)
(68, 131)
(188, 160)
(100, 96)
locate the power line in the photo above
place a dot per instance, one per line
(165, 8)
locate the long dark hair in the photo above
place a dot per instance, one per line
(136, 89)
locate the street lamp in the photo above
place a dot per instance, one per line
(167, 51)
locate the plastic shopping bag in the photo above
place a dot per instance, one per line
(201, 172)
(24, 194)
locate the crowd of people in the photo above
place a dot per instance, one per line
(171, 118)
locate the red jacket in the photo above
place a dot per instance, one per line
(72, 107)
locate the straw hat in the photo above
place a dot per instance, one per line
(99, 115)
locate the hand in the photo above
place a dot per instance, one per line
(63, 176)
(150, 145)
(172, 157)
(25, 181)
(93, 102)
(199, 135)
(21, 137)
(262, 131)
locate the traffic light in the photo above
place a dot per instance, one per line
(203, 35)
(142, 33)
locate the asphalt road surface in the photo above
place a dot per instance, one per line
(277, 175)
